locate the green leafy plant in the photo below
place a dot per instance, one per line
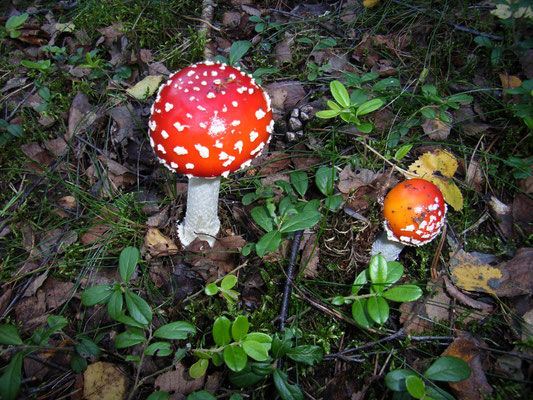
(43, 66)
(9, 131)
(378, 280)
(441, 104)
(13, 26)
(350, 107)
(524, 109)
(225, 289)
(290, 214)
(9, 336)
(407, 383)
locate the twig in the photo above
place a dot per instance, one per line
(208, 11)
(290, 277)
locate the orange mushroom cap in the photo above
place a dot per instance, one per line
(210, 119)
(414, 212)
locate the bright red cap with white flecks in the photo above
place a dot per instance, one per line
(210, 119)
(414, 212)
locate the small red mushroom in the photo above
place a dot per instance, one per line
(414, 212)
(208, 120)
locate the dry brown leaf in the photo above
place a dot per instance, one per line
(522, 211)
(292, 92)
(96, 233)
(57, 293)
(178, 381)
(414, 323)
(157, 244)
(351, 180)
(474, 175)
(80, 116)
(510, 81)
(35, 284)
(30, 312)
(517, 275)
(310, 256)
(476, 387)
(282, 51)
(104, 381)
(436, 129)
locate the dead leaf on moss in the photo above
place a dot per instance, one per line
(510, 81)
(104, 381)
(522, 211)
(476, 387)
(157, 244)
(96, 233)
(350, 180)
(57, 293)
(81, 115)
(517, 275)
(438, 167)
(436, 129)
(471, 274)
(145, 88)
(178, 381)
(310, 255)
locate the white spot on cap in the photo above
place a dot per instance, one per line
(409, 228)
(180, 127)
(168, 106)
(242, 89)
(203, 125)
(238, 146)
(225, 174)
(152, 125)
(152, 143)
(235, 123)
(186, 90)
(164, 134)
(196, 89)
(260, 113)
(270, 127)
(257, 149)
(189, 165)
(224, 108)
(204, 151)
(174, 165)
(218, 144)
(235, 103)
(204, 73)
(188, 115)
(161, 148)
(180, 151)
(214, 73)
(217, 126)
(246, 164)
(203, 83)
(192, 98)
(217, 81)
(223, 156)
(211, 95)
(201, 108)
(190, 73)
(228, 161)
(253, 135)
(251, 91)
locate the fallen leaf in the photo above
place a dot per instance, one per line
(157, 244)
(517, 275)
(508, 8)
(310, 255)
(370, 3)
(474, 175)
(510, 81)
(96, 233)
(470, 273)
(81, 115)
(438, 167)
(104, 381)
(35, 284)
(125, 121)
(178, 381)
(436, 129)
(476, 387)
(292, 92)
(522, 211)
(57, 293)
(350, 180)
(145, 88)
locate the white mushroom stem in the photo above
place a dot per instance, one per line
(201, 218)
(390, 249)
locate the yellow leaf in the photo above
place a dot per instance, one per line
(104, 381)
(471, 274)
(146, 87)
(510, 81)
(438, 167)
(370, 3)
(504, 11)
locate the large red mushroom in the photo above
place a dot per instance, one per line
(208, 120)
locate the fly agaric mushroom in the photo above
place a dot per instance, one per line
(208, 120)
(414, 212)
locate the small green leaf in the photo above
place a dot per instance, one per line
(378, 309)
(324, 179)
(306, 354)
(334, 202)
(359, 282)
(129, 337)
(177, 330)
(10, 380)
(285, 390)
(16, 21)
(228, 282)
(198, 369)
(377, 271)
(115, 304)
(429, 113)
(496, 55)
(395, 380)
(300, 221)
(87, 348)
(483, 41)
(235, 358)
(394, 272)
(160, 349)
(159, 395)
(255, 350)
(402, 151)
(237, 50)
(415, 386)
(78, 363)
(201, 395)
(268, 243)
(338, 300)
(211, 289)
(9, 335)
(129, 257)
(125, 319)
(96, 295)
(239, 328)
(360, 314)
(138, 308)
(300, 182)
(262, 218)
(448, 369)
(340, 94)
(221, 331)
(327, 114)
(369, 106)
(403, 293)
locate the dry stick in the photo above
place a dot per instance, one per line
(208, 11)
(290, 277)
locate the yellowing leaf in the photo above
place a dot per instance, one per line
(370, 3)
(438, 167)
(104, 381)
(510, 81)
(504, 11)
(436, 129)
(471, 274)
(145, 88)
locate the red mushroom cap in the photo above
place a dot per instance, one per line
(414, 212)
(210, 119)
